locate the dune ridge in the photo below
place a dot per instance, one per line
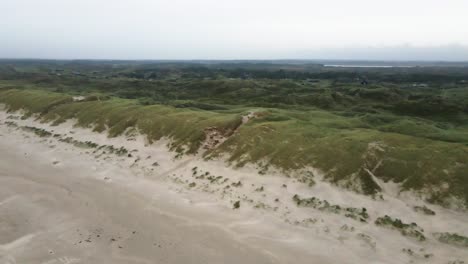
(207, 191)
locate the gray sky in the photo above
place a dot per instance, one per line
(234, 29)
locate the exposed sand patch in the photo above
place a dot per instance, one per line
(149, 187)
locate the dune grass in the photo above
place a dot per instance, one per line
(34, 101)
(421, 155)
(184, 126)
(346, 150)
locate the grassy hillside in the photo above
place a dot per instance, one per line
(348, 149)
(185, 128)
(407, 125)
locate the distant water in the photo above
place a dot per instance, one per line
(366, 66)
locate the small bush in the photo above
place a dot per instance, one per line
(423, 209)
(411, 230)
(324, 205)
(452, 239)
(38, 131)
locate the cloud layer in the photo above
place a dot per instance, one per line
(241, 29)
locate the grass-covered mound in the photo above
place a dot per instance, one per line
(350, 151)
(424, 155)
(185, 127)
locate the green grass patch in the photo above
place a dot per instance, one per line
(411, 230)
(323, 205)
(184, 126)
(452, 239)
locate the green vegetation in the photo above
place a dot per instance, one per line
(452, 239)
(260, 189)
(184, 127)
(424, 209)
(38, 131)
(457, 261)
(236, 184)
(410, 252)
(81, 144)
(214, 179)
(411, 230)
(324, 205)
(11, 124)
(409, 126)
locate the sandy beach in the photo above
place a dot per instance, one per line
(60, 203)
(62, 211)
(62, 216)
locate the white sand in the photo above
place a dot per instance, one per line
(54, 195)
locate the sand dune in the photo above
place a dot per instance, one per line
(64, 202)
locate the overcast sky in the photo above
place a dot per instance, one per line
(234, 29)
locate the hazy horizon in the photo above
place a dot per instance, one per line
(242, 30)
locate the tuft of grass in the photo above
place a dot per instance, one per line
(424, 209)
(411, 230)
(11, 124)
(452, 239)
(324, 205)
(236, 184)
(38, 131)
